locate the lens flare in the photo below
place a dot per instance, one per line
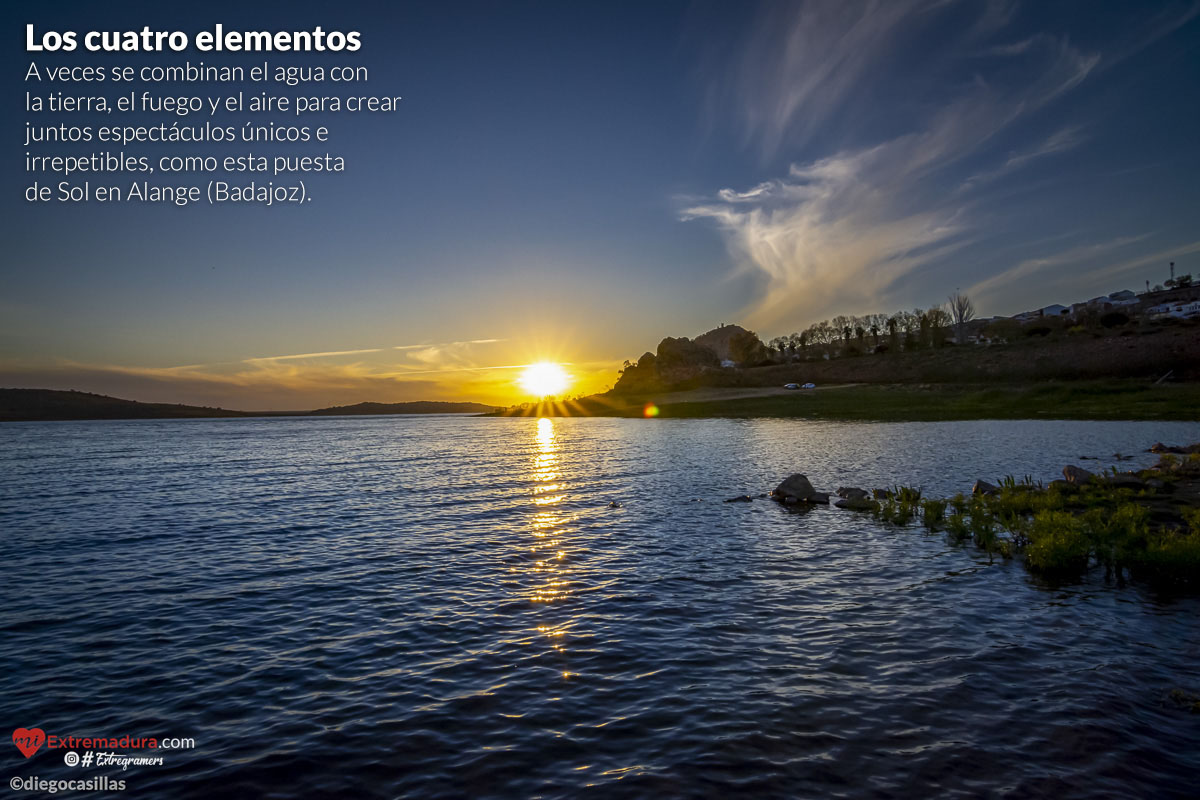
(650, 410)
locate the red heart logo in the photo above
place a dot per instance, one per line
(28, 740)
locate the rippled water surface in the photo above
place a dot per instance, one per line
(450, 607)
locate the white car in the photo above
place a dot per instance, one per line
(791, 386)
(809, 386)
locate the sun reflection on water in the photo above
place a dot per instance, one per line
(548, 576)
(547, 521)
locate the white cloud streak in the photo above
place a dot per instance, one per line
(1030, 267)
(840, 231)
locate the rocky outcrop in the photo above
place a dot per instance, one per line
(718, 340)
(852, 493)
(983, 487)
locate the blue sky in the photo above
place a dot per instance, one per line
(574, 181)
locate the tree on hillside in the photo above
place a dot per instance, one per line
(924, 328)
(962, 311)
(910, 323)
(893, 323)
(939, 320)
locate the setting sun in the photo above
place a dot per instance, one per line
(544, 379)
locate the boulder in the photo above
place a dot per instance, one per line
(852, 493)
(797, 489)
(983, 487)
(1077, 475)
(856, 503)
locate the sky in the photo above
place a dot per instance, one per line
(573, 181)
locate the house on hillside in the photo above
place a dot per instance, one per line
(1054, 310)
(1177, 310)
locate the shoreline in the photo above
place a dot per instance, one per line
(1127, 401)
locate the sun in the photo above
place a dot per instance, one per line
(544, 379)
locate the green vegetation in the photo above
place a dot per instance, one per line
(1075, 400)
(1149, 531)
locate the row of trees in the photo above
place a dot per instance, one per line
(907, 330)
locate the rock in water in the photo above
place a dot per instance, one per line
(797, 489)
(852, 493)
(983, 487)
(1077, 475)
(744, 498)
(856, 503)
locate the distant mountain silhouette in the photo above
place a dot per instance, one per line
(414, 407)
(43, 405)
(49, 404)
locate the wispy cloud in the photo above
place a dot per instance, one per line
(1121, 268)
(1083, 254)
(843, 229)
(1059, 142)
(327, 354)
(803, 60)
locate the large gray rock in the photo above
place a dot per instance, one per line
(983, 487)
(797, 489)
(1077, 475)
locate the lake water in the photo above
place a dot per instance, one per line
(449, 607)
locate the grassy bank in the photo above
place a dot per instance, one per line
(1145, 525)
(1107, 400)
